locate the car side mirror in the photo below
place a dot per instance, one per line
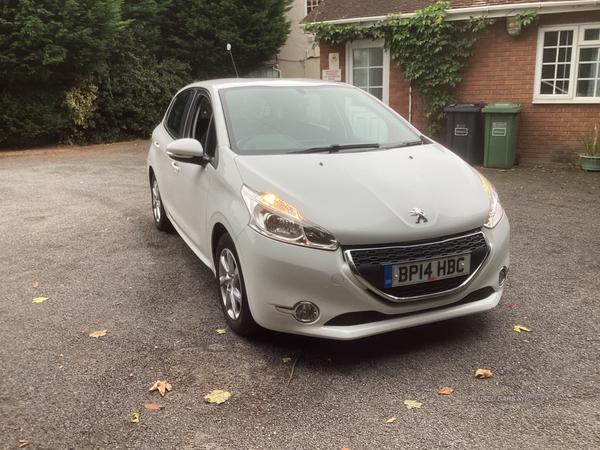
(186, 150)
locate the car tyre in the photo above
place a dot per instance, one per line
(161, 220)
(232, 290)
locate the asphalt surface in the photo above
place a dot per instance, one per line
(77, 224)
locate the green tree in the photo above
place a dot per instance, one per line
(46, 48)
(53, 41)
(198, 31)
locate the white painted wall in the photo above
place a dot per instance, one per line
(297, 59)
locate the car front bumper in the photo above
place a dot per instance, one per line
(278, 276)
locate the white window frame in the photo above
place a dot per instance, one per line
(369, 43)
(306, 11)
(578, 43)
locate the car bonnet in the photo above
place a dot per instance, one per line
(375, 196)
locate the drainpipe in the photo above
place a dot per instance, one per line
(276, 69)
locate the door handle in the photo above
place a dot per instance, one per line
(157, 145)
(175, 167)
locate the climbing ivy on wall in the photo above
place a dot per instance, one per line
(430, 50)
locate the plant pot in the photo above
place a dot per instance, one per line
(590, 162)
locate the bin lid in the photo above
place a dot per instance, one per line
(506, 108)
(464, 107)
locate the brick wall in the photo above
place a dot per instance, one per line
(503, 70)
(326, 49)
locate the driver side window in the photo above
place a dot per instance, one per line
(203, 129)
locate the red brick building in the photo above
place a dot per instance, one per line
(552, 66)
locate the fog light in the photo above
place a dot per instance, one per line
(502, 276)
(306, 312)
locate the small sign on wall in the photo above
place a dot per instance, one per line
(334, 61)
(332, 75)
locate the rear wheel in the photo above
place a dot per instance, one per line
(161, 220)
(231, 287)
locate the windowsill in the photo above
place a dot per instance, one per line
(565, 101)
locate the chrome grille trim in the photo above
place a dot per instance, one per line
(478, 237)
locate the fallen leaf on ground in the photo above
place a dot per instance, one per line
(446, 391)
(391, 420)
(287, 360)
(507, 305)
(97, 334)
(160, 386)
(175, 343)
(36, 284)
(483, 373)
(410, 404)
(519, 328)
(23, 443)
(135, 417)
(217, 397)
(221, 330)
(153, 406)
(131, 374)
(40, 299)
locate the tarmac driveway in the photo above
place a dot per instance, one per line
(76, 227)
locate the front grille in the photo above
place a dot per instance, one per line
(369, 264)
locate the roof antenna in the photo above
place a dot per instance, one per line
(232, 60)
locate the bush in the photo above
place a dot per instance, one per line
(134, 90)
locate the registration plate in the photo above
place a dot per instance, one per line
(427, 271)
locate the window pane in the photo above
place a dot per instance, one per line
(588, 76)
(377, 92)
(585, 88)
(376, 57)
(550, 38)
(588, 54)
(566, 38)
(556, 62)
(592, 35)
(360, 77)
(563, 71)
(176, 115)
(564, 55)
(587, 70)
(548, 71)
(562, 87)
(549, 55)
(375, 77)
(361, 57)
(547, 87)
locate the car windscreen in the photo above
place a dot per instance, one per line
(276, 120)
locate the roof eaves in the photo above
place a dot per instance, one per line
(491, 11)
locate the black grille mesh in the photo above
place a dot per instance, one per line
(405, 254)
(370, 263)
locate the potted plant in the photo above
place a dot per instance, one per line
(590, 160)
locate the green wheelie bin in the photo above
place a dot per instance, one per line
(501, 128)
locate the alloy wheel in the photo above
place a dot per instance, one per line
(229, 281)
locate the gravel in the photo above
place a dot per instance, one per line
(77, 223)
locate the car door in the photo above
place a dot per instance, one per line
(192, 179)
(170, 129)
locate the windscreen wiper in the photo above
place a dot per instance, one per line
(334, 148)
(404, 144)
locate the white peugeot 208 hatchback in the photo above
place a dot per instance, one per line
(322, 212)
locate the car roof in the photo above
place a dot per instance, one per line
(226, 83)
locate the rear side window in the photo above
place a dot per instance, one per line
(175, 118)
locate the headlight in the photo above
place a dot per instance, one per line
(274, 218)
(496, 211)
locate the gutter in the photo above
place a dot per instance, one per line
(492, 11)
